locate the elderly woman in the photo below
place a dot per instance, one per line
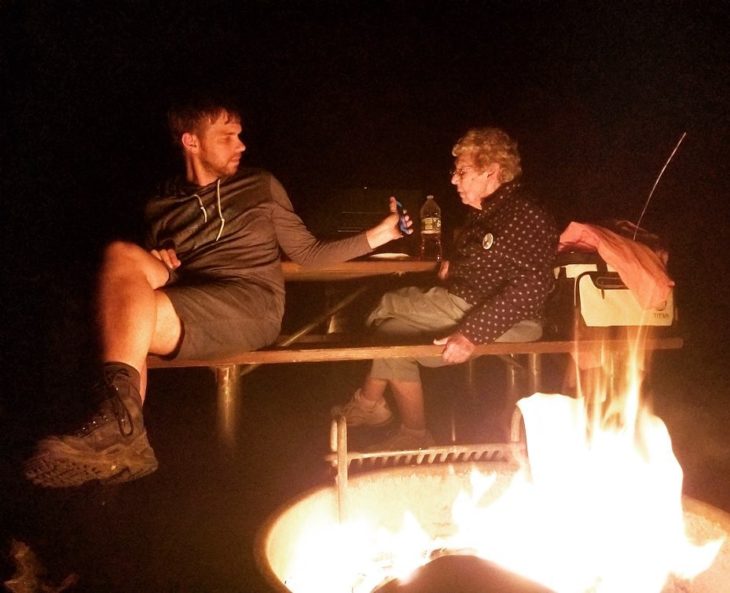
(493, 288)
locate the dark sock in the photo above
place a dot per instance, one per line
(113, 369)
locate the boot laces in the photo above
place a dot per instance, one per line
(112, 408)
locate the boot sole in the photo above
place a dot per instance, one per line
(62, 466)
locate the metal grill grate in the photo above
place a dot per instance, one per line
(493, 452)
(511, 453)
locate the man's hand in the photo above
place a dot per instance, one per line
(168, 257)
(443, 272)
(457, 348)
(387, 230)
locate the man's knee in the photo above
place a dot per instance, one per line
(123, 253)
(123, 258)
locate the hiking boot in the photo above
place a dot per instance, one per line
(361, 412)
(404, 439)
(111, 447)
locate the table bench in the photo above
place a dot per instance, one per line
(305, 346)
(228, 370)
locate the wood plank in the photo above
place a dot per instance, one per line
(297, 353)
(352, 270)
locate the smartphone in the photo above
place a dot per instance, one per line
(402, 219)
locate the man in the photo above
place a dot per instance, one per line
(494, 287)
(209, 284)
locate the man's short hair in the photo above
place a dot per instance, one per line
(191, 114)
(491, 145)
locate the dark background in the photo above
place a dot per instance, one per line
(346, 95)
(339, 96)
(367, 94)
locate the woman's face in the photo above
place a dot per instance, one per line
(472, 184)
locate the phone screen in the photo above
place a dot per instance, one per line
(402, 219)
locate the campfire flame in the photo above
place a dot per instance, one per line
(597, 510)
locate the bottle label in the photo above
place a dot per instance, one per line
(430, 225)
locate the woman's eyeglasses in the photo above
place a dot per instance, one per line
(460, 172)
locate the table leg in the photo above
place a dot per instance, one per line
(534, 373)
(229, 398)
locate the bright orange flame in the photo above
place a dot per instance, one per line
(598, 510)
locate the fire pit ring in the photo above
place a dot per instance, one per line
(385, 495)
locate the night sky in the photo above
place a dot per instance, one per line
(345, 94)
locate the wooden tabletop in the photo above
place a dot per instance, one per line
(361, 268)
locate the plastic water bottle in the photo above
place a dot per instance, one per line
(431, 230)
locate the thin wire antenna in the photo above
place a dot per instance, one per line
(651, 193)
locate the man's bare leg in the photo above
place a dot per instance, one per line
(134, 317)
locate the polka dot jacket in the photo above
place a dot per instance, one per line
(502, 263)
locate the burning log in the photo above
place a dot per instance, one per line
(462, 574)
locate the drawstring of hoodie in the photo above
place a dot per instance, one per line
(202, 207)
(220, 211)
(218, 204)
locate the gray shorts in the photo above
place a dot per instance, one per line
(222, 318)
(412, 312)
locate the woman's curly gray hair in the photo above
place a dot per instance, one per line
(491, 145)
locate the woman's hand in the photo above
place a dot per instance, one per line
(443, 272)
(457, 348)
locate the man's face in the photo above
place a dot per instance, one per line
(220, 146)
(471, 183)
